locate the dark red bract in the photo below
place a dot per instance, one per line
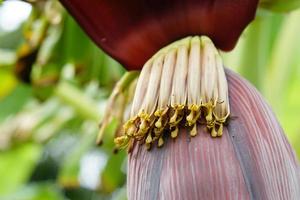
(132, 31)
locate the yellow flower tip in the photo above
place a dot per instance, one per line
(144, 126)
(149, 139)
(144, 115)
(177, 115)
(158, 113)
(161, 121)
(173, 119)
(193, 107)
(122, 141)
(174, 133)
(209, 115)
(210, 124)
(213, 132)
(194, 115)
(130, 131)
(194, 132)
(161, 112)
(130, 128)
(190, 118)
(160, 142)
(220, 130)
(146, 123)
(158, 123)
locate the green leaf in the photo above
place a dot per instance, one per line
(16, 166)
(40, 191)
(280, 5)
(113, 177)
(14, 102)
(8, 82)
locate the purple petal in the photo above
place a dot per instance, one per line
(253, 159)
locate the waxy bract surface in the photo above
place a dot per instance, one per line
(252, 160)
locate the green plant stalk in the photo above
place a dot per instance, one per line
(76, 99)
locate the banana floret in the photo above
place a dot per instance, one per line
(182, 86)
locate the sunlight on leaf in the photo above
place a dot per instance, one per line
(17, 165)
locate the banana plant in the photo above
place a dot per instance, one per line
(193, 128)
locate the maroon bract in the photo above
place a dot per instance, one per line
(132, 31)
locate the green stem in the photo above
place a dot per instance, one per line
(77, 99)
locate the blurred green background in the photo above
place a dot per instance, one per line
(54, 84)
